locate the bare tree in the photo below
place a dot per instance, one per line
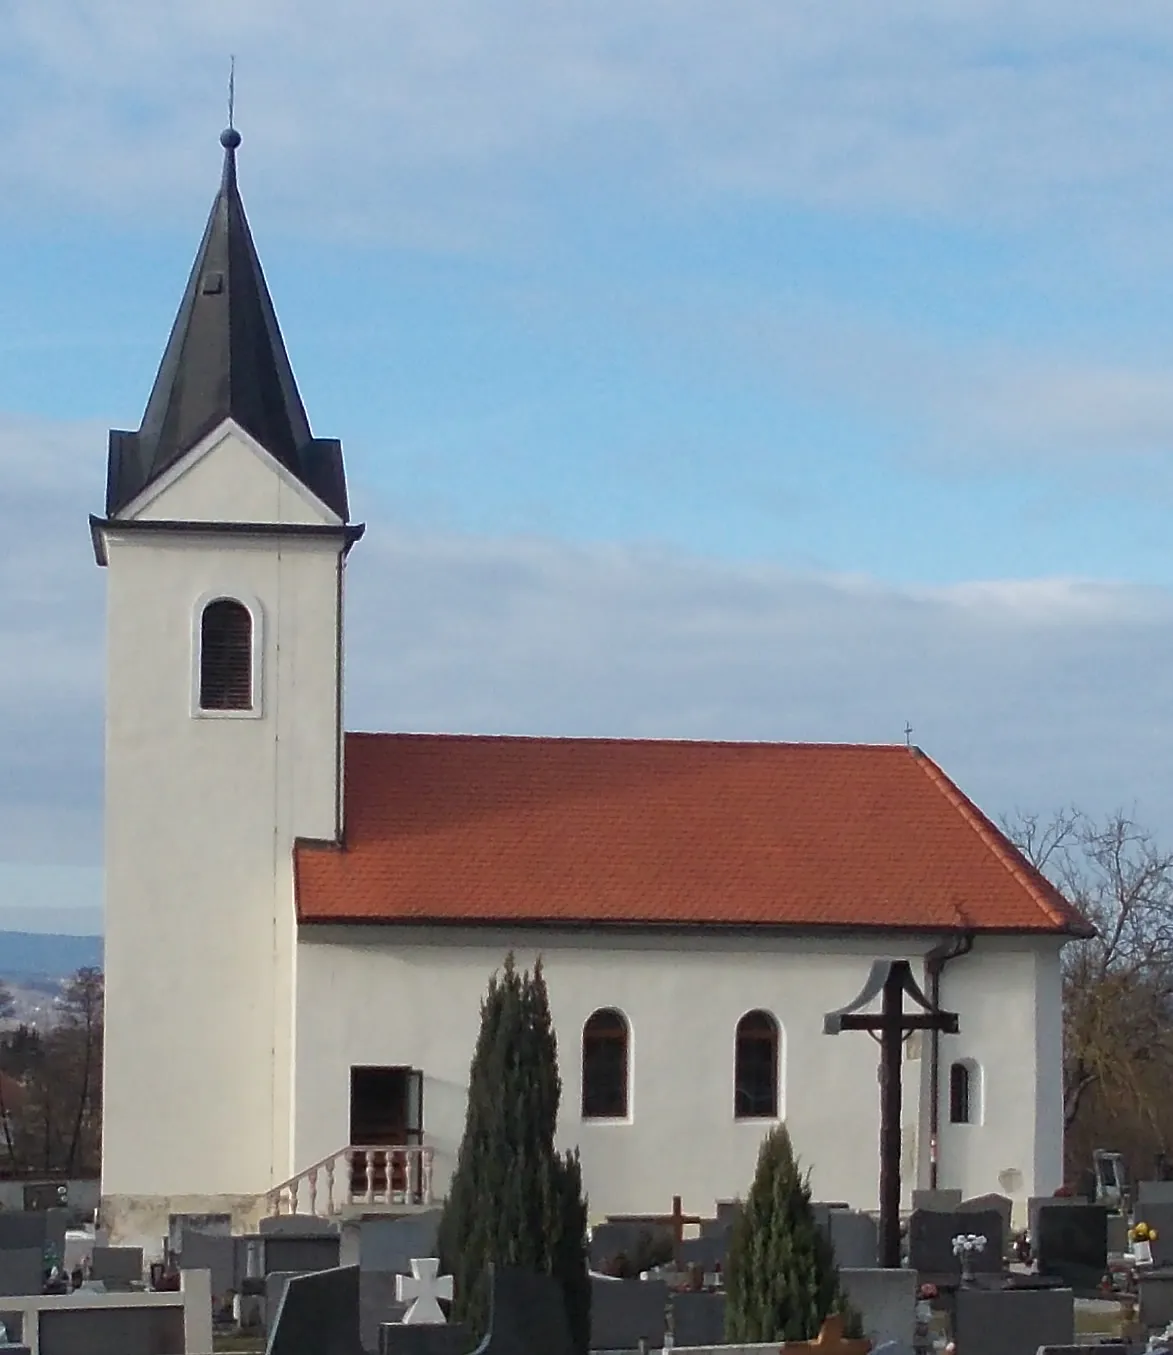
(1118, 986)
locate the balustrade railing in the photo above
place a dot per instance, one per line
(361, 1174)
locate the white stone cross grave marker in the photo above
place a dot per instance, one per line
(424, 1285)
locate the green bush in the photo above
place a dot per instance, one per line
(514, 1200)
(781, 1281)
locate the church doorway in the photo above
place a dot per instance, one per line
(386, 1111)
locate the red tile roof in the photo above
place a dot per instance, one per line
(484, 829)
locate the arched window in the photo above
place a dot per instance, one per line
(605, 1040)
(962, 1093)
(226, 656)
(755, 1079)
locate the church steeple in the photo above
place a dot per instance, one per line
(225, 359)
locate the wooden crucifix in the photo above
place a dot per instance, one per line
(890, 980)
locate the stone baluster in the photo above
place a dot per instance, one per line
(330, 1207)
(426, 1154)
(312, 1182)
(369, 1159)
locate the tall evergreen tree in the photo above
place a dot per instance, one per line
(513, 1199)
(781, 1281)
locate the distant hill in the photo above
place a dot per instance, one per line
(31, 955)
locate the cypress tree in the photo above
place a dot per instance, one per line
(513, 1200)
(781, 1281)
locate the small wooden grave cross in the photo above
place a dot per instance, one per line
(890, 980)
(425, 1285)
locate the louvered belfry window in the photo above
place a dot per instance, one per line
(226, 656)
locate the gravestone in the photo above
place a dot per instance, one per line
(885, 1301)
(1012, 1321)
(215, 1253)
(1071, 1242)
(22, 1270)
(1153, 1192)
(178, 1224)
(301, 1252)
(930, 1242)
(526, 1315)
(626, 1312)
(39, 1229)
(377, 1304)
(396, 1339)
(1117, 1234)
(939, 1201)
(297, 1225)
(318, 1315)
(275, 1285)
(112, 1331)
(1155, 1290)
(1036, 1202)
(117, 1265)
(698, 1319)
(390, 1244)
(854, 1237)
(707, 1252)
(1000, 1204)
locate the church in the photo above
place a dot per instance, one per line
(301, 921)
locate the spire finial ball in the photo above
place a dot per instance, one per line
(230, 138)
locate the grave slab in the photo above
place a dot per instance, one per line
(527, 1315)
(396, 1339)
(855, 1238)
(1012, 1322)
(939, 1201)
(930, 1241)
(1071, 1242)
(117, 1265)
(885, 1301)
(698, 1319)
(626, 1312)
(22, 1270)
(318, 1315)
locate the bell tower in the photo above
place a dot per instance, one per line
(224, 539)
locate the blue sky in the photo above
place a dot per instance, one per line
(803, 368)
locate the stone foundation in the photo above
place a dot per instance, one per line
(145, 1220)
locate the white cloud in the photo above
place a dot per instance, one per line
(396, 117)
(1029, 693)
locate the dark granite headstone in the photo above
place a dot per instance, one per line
(625, 1312)
(301, 1253)
(1071, 1242)
(117, 1265)
(38, 1228)
(980, 1204)
(930, 1242)
(299, 1225)
(395, 1339)
(22, 1271)
(1012, 1322)
(526, 1316)
(1153, 1192)
(111, 1331)
(698, 1319)
(276, 1283)
(378, 1303)
(1155, 1289)
(318, 1315)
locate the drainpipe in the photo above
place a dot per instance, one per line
(935, 962)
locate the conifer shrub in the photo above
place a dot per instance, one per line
(781, 1281)
(513, 1199)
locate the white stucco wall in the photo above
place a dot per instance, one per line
(200, 817)
(403, 996)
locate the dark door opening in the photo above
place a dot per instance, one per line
(386, 1111)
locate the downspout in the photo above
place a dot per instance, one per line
(935, 962)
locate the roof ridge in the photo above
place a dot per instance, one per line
(997, 842)
(623, 739)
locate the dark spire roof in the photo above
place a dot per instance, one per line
(225, 359)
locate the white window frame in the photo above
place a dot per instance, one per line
(251, 604)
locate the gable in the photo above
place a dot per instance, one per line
(443, 828)
(229, 477)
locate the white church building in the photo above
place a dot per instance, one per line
(301, 922)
